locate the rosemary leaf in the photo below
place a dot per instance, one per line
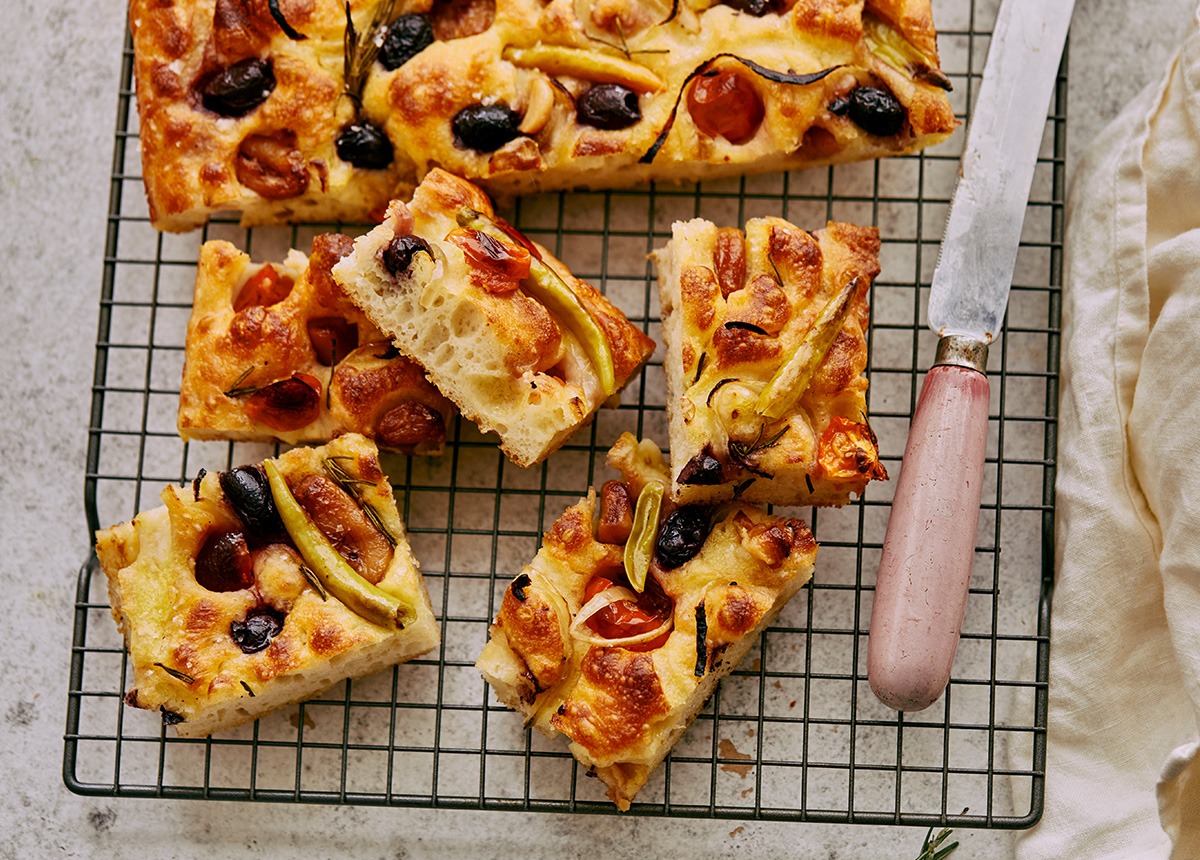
(308, 574)
(237, 389)
(246, 687)
(351, 485)
(177, 675)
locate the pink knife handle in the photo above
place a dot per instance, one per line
(925, 570)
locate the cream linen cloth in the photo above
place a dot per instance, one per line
(1122, 771)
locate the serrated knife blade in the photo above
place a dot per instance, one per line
(925, 569)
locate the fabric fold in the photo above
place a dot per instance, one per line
(1125, 633)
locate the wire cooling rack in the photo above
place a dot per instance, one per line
(795, 733)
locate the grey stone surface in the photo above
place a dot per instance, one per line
(58, 98)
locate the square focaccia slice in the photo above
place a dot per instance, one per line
(276, 352)
(519, 344)
(766, 352)
(622, 674)
(235, 601)
(246, 105)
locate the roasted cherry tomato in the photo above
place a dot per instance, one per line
(268, 286)
(847, 451)
(332, 339)
(503, 259)
(288, 404)
(623, 618)
(727, 105)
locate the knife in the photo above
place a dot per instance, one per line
(925, 569)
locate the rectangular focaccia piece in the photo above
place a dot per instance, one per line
(277, 353)
(225, 615)
(766, 352)
(519, 344)
(271, 110)
(622, 675)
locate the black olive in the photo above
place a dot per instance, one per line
(224, 563)
(397, 256)
(365, 145)
(240, 88)
(407, 36)
(170, 718)
(255, 633)
(608, 106)
(485, 127)
(249, 494)
(757, 8)
(682, 535)
(876, 111)
(703, 469)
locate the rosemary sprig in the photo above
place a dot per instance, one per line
(743, 451)
(931, 849)
(624, 46)
(360, 49)
(352, 485)
(239, 390)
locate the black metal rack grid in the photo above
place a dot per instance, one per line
(795, 733)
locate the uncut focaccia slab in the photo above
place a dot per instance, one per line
(222, 611)
(604, 94)
(766, 348)
(291, 116)
(276, 352)
(503, 329)
(622, 675)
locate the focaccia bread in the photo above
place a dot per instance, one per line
(276, 352)
(291, 115)
(236, 114)
(766, 352)
(228, 613)
(504, 330)
(622, 675)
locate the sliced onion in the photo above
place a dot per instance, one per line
(580, 630)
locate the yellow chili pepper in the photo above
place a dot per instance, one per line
(544, 285)
(791, 381)
(640, 547)
(335, 573)
(582, 63)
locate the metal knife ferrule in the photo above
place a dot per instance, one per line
(962, 351)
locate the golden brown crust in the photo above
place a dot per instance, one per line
(232, 355)
(277, 161)
(180, 634)
(624, 704)
(724, 347)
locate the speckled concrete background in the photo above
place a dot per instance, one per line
(58, 99)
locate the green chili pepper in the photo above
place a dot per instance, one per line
(335, 573)
(640, 546)
(552, 292)
(791, 381)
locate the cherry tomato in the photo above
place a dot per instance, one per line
(332, 339)
(847, 451)
(501, 264)
(623, 618)
(726, 105)
(288, 404)
(268, 286)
